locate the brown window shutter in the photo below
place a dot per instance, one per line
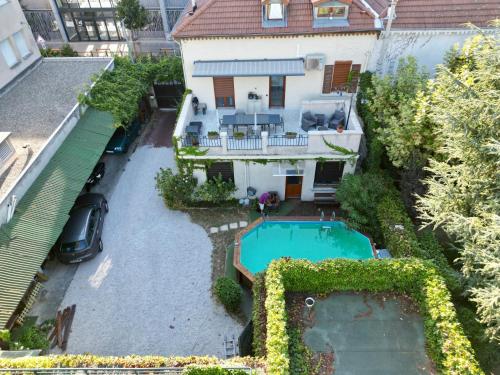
(327, 79)
(341, 71)
(223, 86)
(355, 72)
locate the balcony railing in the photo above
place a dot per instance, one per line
(252, 142)
(201, 140)
(285, 140)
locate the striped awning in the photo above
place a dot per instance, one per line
(249, 68)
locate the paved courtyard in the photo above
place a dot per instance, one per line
(369, 334)
(148, 292)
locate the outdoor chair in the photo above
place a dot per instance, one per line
(308, 121)
(337, 118)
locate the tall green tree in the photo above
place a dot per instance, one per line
(133, 14)
(400, 105)
(464, 184)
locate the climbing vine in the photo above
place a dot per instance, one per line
(120, 90)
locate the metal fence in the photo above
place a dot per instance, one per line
(107, 371)
(201, 140)
(250, 142)
(284, 140)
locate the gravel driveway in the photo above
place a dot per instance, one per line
(148, 292)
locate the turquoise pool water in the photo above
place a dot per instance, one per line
(312, 240)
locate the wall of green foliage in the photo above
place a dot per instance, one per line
(133, 361)
(446, 343)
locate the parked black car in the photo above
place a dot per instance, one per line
(81, 237)
(96, 176)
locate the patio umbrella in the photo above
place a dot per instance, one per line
(255, 122)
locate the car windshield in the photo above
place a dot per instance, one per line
(73, 246)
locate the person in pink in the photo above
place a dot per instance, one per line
(263, 200)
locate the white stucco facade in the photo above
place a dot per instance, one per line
(427, 46)
(354, 47)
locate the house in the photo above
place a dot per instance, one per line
(428, 29)
(92, 27)
(285, 67)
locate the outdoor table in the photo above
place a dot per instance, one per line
(250, 120)
(194, 128)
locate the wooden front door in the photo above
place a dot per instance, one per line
(224, 91)
(293, 187)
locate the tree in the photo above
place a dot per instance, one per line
(400, 104)
(463, 194)
(132, 13)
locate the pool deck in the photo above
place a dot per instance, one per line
(237, 245)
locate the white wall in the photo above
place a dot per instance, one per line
(428, 47)
(335, 47)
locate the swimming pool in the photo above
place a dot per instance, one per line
(312, 240)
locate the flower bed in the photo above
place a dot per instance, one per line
(446, 343)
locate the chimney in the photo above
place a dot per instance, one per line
(193, 5)
(391, 15)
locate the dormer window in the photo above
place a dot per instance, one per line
(330, 13)
(274, 13)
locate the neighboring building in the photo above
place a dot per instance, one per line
(18, 49)
(92, 27)
(295, 56)
(428, 29)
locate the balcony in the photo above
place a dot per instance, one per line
(284, 137)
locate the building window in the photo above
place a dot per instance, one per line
(328, 173)
(90, 24)
(275, 11)
(332, 10)
(8, 53)
(223, 169)
(21, 45)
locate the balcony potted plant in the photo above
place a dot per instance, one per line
(291, 135)
(213, 135)
(239, 135)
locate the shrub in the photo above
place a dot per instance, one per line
(229, 293)
(259, 315)
(358, 195)
(399, 235)
(65, 51)
(215, 190)
(300, 355)
(175, 189)
(446, 342)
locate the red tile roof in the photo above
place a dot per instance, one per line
(444, 14)
(244, 17)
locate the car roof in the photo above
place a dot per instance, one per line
(76, 227)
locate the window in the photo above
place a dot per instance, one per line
(328, 173)
(275, 11)
(8, 53)
(224, 91)
(224, 169)
(331, 10)
(22, 47)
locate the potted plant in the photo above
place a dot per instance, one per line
(213, 135)
(290, 135)
(340, 128)
(239, 135)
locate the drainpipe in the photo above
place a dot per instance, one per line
(166, 26)
(60, 24)
(391, 15)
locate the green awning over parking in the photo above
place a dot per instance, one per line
(43, 211)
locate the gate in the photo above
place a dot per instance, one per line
(168, 94)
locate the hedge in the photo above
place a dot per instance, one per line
(133, 361)
(259, 316)
(403, 242)
(446, 343)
